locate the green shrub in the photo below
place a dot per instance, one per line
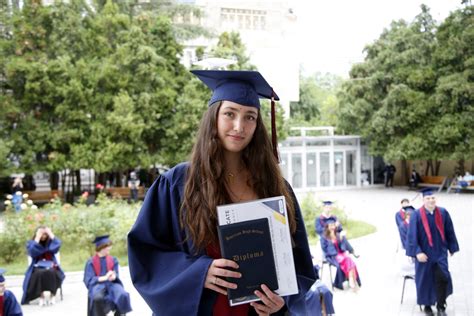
(76, 226)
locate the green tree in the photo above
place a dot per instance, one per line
(230, 46)
(389, 97)
(454, 96)
(318, 101)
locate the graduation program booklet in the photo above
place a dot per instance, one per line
(249, 244)
(274, 209)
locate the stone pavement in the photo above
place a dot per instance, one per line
(378, 266)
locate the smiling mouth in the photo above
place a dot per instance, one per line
(235, 137)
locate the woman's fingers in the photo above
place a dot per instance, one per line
(226, 273)
(225, 263)
(272, 302)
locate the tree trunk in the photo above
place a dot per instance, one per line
(54, 180)
(429, 167)
(78, 180)
(437, 167)
(405, 173)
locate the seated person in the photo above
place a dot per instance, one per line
(401, 219)
(415, 178)
(8, 304)
(44, 273)
(324, 218)
(336, 248)
(101, 277)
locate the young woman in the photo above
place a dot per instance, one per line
(101, 277)
(44, 273)
(174, 256)
(337, 249)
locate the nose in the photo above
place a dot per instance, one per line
(239, 125)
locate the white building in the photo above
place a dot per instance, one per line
(316, 159)
(267, 28)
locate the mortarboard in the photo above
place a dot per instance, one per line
(427, 192)
(330, 221)
(240, 86)
(100, 240)
(327, 202)
(2, 278)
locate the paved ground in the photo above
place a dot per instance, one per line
(378, 265)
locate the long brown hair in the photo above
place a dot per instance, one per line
(205, 187)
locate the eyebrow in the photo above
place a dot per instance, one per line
(230, 107)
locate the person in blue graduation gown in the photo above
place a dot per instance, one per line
(326, 215)
(430, 237)
(401, 219)
(174, 257)
(44, 272)
(101, 277)
(336, 248)
(8, 304)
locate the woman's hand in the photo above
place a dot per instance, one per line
(48, 231)
(39, 233)
(271, 302)
(218, 270)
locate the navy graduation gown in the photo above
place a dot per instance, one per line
(417, 242)
(35, 251)
(10, 305)
(163, 265)
(115, 294)
(330, 252)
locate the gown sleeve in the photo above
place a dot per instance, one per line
(451, 239)
(166, 273)
(11, 306)
(412, 243)
(305, 274)
(35, 249)
(90, 279)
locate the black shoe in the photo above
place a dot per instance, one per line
(428, 310)
(441, 309)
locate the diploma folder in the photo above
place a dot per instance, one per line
(273, 209)
(249, 244)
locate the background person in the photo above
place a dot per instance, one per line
(133, 184)
(337, 250)
(389, 173)
(8, 304)
(402, 220)
(174, 254)
(44, 273)
(430, 237)
(101, 277)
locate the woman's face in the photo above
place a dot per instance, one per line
(236, 125)
(332, 226)
(44, 236)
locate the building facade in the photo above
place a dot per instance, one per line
(315, 158)
(267, 28)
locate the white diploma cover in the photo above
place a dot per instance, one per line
(274, 209)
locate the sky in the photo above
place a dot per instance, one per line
(333, 33)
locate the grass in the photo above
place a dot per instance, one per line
(353, 228)
(70, 262)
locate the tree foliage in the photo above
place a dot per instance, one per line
(413, 94)
(88, 89)
(317, 104)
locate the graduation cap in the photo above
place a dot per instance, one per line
(327, 202)
(240, 86)
(427, 192)
(100, 240)
(2, 278)
(331, 221)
